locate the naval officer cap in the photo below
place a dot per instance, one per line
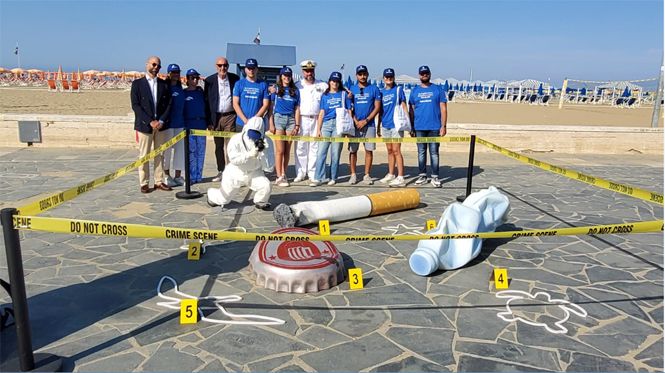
(308, 64)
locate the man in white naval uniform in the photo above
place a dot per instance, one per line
(311, 90)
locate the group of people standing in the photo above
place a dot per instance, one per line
(307, 107)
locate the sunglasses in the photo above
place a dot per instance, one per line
(308, 70)
(362, 90)
(220, 65)
(156, 65)
(194, 77)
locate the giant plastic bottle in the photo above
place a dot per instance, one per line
(482, 211)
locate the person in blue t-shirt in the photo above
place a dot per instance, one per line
(333, 97)
(250, 95)
(176, 124)
(428, 109)
(366, 106)
(392, 96)
(284, 120)
(195, 119)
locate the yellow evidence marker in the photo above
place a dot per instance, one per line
(431, 224)
(324, 227)
(500, 278)
(355, 278)
(189, 311)
(194, 251)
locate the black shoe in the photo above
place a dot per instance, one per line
(262, 206)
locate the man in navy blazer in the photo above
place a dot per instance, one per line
(151, 103)
(218, 93)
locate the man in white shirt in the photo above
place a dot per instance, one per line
(311, 90)
(218, 92)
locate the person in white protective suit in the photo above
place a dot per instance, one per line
(249, 156)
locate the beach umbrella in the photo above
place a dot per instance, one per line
(540, 89)
(626, 92)
(552, 90)
(59, 74)
(381, 85)
(583, 91)
(445, 86)
(17, 71)
(3, 70)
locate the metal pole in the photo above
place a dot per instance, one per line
(469, 170)
(17, 284)
(187, 194)
(657, 105)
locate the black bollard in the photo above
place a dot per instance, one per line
(26, 359)
(187, 193)
(469, 170)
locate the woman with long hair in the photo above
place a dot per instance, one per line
(332, 98)
(284, 119)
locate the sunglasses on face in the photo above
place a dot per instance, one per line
(193, 77)
(308, 70)
(220, 65)
(156, 65)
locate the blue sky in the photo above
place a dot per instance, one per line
(593, 40)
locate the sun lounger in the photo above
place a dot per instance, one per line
(52, 87)
(65, 85)
(544, 100)
(75, 86)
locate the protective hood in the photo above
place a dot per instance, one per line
(254, 123)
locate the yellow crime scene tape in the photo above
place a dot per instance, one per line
(56, 199)
(104, 228)
(343, 139)
(572, 174)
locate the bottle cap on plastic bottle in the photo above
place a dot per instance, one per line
(297, 266)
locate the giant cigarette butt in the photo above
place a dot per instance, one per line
(397, 200)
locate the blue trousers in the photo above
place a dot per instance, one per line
(197, 153)
(328, 129)
(433, 154)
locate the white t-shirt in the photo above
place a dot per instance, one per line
(310, 96)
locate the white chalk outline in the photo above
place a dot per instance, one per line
(412, 231)
(566, 306)
(174, 304)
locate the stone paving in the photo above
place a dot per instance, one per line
(93, 299)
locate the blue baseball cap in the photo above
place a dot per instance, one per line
(335, 76)
(251, 62)
(192, 72)
(424, 69)
(389, 73)
(173, 68)
(361, 69)
(286, 71)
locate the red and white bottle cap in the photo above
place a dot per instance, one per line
(297, 266)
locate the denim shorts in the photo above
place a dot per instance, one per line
(284, 122)
(391, 133)
(366, 132)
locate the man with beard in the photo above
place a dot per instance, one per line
(151, 103)
(428, 109)
(366, 106)
(311, 90)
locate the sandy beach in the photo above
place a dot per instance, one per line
(116, 102)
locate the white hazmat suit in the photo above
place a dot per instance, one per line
(245, 168)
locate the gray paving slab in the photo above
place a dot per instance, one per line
(93, 300)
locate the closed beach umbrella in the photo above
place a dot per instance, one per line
(626, 92)
(445, 86)
(540, 89)
(59, 75)
(583, 91)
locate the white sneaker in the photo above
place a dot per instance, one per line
(352, 179)
(314, 183)
(283, 182)
(179, 180)
(422, 179)
(217, 178)
(299, 178)
(168, 180)
(398, 182)
(332, 182)
(436, 182)
(387, 178)
(368, 180)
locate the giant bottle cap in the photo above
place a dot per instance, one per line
(297, 266)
